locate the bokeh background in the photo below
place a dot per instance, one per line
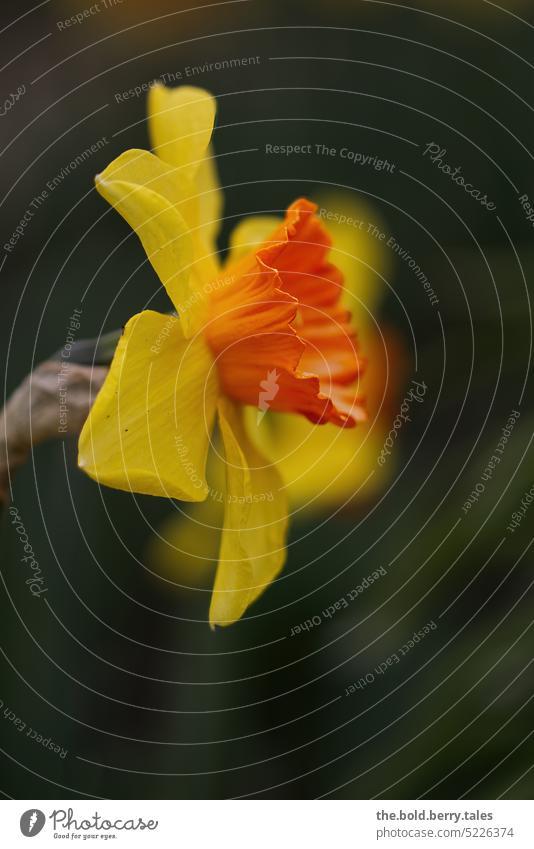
(119, 667)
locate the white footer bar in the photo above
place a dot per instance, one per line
(268, 824)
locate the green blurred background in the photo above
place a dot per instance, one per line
(120, 667)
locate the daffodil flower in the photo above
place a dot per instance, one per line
(268, 329)
(327, 471)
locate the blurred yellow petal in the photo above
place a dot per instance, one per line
(362, 258)
(184, 550)
(324, 466)
(255, 524)
(250, 233)
(149, 428)
(180, 122)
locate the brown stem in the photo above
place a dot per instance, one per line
(51, 403)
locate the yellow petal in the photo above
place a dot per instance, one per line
(174, 240)
(150, 426)
(180, 124)
(210, 201)
(250, 233)
(165, 237)
(142, 168)
(255, 523)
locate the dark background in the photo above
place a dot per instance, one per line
(120, 668)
